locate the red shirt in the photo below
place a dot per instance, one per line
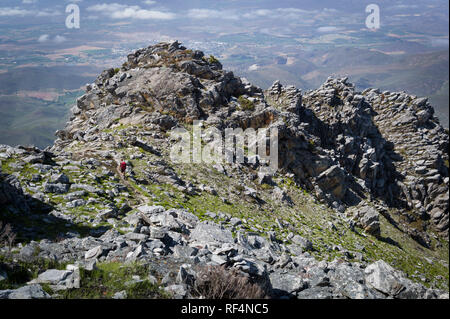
(123, 166)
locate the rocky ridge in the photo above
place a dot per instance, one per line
(372, 166)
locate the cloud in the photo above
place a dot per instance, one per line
(48, 13)
(29, 1)
(279, 13)
(149, 2)
(212, 14)
(403, 6)
(12, 12)
(253, 67)
(59, 39)
(43, 38)
(19, 12)
(327, 29)
(120, 11)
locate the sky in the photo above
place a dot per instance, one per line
(284, 11)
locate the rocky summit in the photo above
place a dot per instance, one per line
(358, 207)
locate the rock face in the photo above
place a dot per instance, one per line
(371, 158)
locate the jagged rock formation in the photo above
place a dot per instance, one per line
(377, 160)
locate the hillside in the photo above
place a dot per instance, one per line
(357, 206)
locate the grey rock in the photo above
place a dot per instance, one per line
(333, 180)
(317, 277)
(120, 295)
(60, 279)
(186, 275)
(219, 260)
(206, 232)
(136, 237)
(316, 293)
(150, 210)
(177, 291)
(304, 243)
(94, 252)
(384, 278)
(184, 251)
(33, 291)
(56, 188)
(60, 179)
(369, 220)
(286, 284)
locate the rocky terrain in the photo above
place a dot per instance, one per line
(357, 209)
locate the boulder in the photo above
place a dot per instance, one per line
(384, 278)
(56, 188)
(60, 279)
(286, 284)
(369, 220)
(206, 233)
(333, 180)
(33, 291)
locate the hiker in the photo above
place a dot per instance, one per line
(123, 167)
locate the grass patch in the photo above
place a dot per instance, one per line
(112, 277)
(246, 104)
(21, 272)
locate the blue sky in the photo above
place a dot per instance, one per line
(281, 18)
(207, 10)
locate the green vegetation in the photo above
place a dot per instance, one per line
(246, 104)
(20, 272)
(110, 278)
(308, 219)
(212, 59)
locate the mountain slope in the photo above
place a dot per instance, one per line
(362, 177)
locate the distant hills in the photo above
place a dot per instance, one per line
(26, 119)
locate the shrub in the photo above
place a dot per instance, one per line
(311, 145)
(216, 282)
(212, 59)
(246, 104)
(7, 236)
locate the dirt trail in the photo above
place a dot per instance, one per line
(137, 194)
(140, 196)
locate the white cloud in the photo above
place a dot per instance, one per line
(253, 67)
(120, 11)
(327, 29)
(404, 6)
(29, 1)
(211, 14)
(59, 39)
(19, 12)
(279, 13)
(48, 13)
(11, 12)
(149, 2)
(43, 38)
